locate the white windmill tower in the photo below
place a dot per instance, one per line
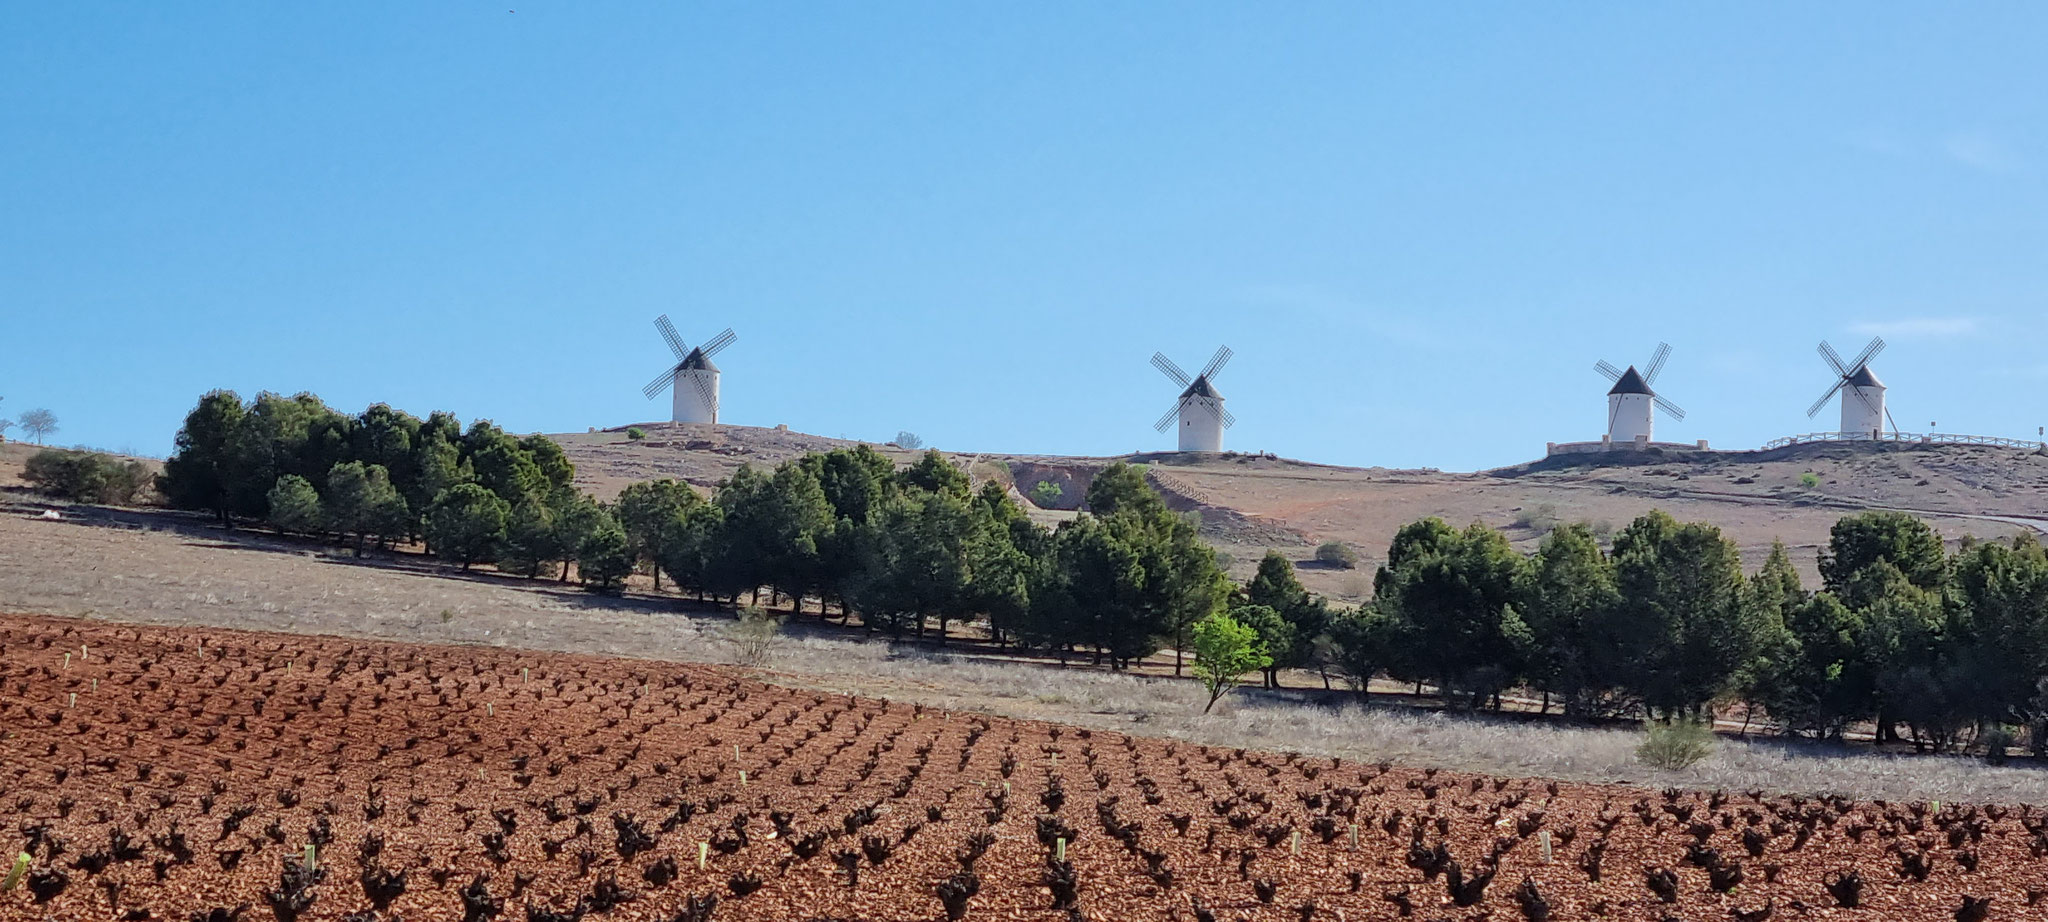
(1200, 406)
(694, 378)
(1863, 412)
(1631, 402)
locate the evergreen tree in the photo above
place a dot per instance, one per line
(605, 557)
(687, 544)
(465, 523)
(646, 509)
(1122, 486)
(268, 442)
(501, 464)
(921, 568)
(1274, 633)
(2000, 618)
(329, 440)
(1308, 617)
(772, 528)
(1858, 541)
(1360, 640)
(1449, 600)
(201, 471)
(934, 474)
(1773, 596)
(1821, 685)
(532, 539)
(295, 506)
(577, 518)
(1568, 598)
(438, 465)
(1867, 556)
(387, 437)
(556, 471)
(1908, 650)
(361, 501)
(1683, 585)
(1098, 594)
(1003, 560)
(856, 482)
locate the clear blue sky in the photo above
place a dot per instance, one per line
(1418, 224)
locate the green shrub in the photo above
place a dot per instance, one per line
(1675, 745)
(1336, 554)
(84, 476)
(1809, 480)
(1046, 493)
(635, 433)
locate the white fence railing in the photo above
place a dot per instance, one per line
(1930, 438)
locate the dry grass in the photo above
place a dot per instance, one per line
(195, 578)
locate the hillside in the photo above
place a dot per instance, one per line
(1252, 503)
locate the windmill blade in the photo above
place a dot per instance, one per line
(1612, 373)
(660, 384)
(1656, 363)
(1828, 354)
(1824, 398)
(1869, 352)
(718, 342)
(704, 391)
(1228, 420)
(1670, 408)
(1167, 420)
(1169, 369)
(1216, 362)
(675, 340)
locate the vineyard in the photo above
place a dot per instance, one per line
(171, 774)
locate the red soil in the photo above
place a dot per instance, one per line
(560, 780)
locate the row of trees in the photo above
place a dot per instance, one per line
(376, 472)
(1664, 621)
(1661, 619)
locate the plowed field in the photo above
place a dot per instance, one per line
(189, 775)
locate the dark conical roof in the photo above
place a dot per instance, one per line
(1630, 383)
(1201, 388)
(697, 361)
(1862, 377)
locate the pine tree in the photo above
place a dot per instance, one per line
(295, 505)
(646, 509)
(201, 470)
(605, 557)
(465, 523)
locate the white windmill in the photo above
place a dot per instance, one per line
(1630, 402)
(1199, 407)
(1863, 412)
(694, 378)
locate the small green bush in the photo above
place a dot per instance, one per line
(1336, 554)
(1046, 493)
(1809, 480)
(635, 433)
(1675, 745)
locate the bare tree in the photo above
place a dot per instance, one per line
(39, 423)
(908, 439)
